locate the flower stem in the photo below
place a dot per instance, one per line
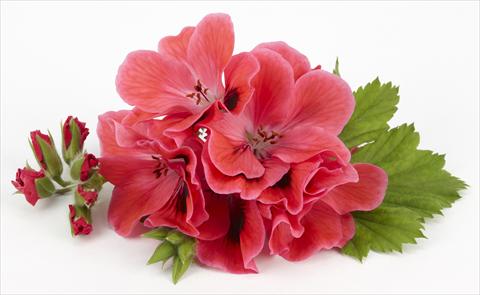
(61, 182)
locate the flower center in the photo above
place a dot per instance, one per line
(161, 168)
(261, 140)
(200, 94)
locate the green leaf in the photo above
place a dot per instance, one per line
(179, 268)
(162, 253)
(418, 187)
(157, 233)
(336, 70)
(375, 106)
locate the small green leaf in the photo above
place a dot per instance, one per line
(336, 70)
(175, 237)
(157, 233)
(162, 253)
(418, 187)
(375, 106)
(186, 250)
(179, 268)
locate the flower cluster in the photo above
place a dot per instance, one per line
(240, 152)
(86, 180)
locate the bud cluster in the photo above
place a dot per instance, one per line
(48, 181)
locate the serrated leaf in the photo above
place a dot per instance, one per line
(418, 187)
(375, 106)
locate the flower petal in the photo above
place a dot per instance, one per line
(176, 46)
(156, 84)
(137, 192)
(248, 188)
(323, 230)
(323, 100)
(210, 48)
(273, 84)
(227, 147)
(298, 61)
(232, 254)
(238, 77)
(364, 195)
(299, 144)
(289, 190)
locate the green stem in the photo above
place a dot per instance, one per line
(61, 182)
(64, 190)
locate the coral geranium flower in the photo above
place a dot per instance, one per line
(153, 184)
(184, 77)
(286, 121)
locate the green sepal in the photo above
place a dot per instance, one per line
(95, 181)
(186, 250)
(162, 253)
(74, 148)
(76, 167)
(336, 70)
(179, 268)
(45, 187)
(175, 237)
(157, 233)
(51, 157)
(83, 211)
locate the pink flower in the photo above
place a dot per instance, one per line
(152, 184)
(89, 162)
(184, 78)
(36, 146)
(79, 224)
(89, 197)
(233, 236)
(287, 121)
(326, 223)
(25, 183)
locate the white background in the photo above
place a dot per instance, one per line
(61, 58)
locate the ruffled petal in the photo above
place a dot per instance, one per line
(324, 100)
(323, 230)
(248, 188)
(364, 195)
(156, 84)
(217, 224)
(289, 190)
(106, 133)
(209, 50)
(238, 77)
(298, 61)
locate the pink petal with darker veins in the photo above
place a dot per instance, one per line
(364, 195)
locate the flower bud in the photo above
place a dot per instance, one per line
(33, 184)
(162, 253)
(85, 197)
(80, 220)
(74, 134)
(47, 157)
(81, 168)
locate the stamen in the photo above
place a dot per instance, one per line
(199, 94)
